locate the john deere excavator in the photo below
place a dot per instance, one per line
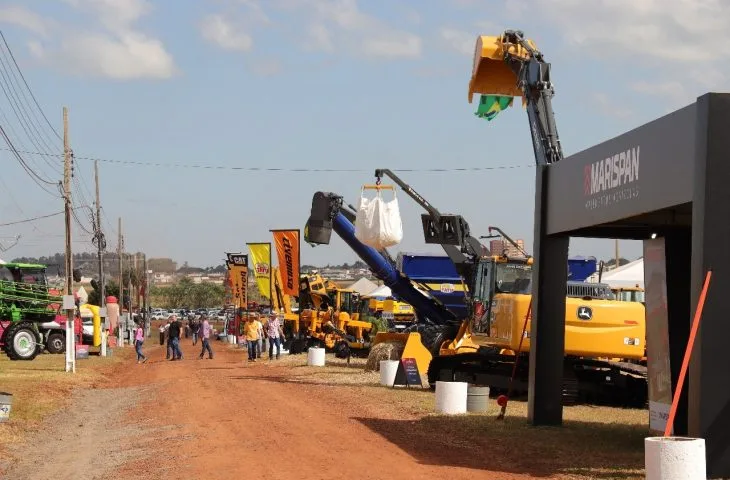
(604, 338)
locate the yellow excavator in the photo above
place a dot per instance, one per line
(328, 317)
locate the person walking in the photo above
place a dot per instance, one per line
(251, 330)
(204, 333)
(174, 333)
(194, 328)
(168, 340)
(275, 333)
(260, 341)
(138, 341)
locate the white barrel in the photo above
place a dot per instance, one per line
(231, 339)
(451, 397)
(388, 369)
(6, 402)
(477, 399)
(315, 357)
(674, 458)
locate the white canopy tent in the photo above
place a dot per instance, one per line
(363, 286)
(629, 275)
(382, 291)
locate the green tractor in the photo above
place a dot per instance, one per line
(29, 312)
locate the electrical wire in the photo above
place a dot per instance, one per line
(17, 222)
(34, 176)
(40, 217)
(28, 87)
(284, 169)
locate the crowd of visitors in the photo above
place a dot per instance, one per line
(254, 334)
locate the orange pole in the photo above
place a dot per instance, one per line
(687, 354)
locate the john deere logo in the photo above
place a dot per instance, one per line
(261, 268)
(585, 313)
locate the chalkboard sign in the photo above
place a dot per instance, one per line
(408, 373)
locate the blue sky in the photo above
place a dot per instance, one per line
(321, 84)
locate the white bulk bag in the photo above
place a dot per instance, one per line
(377, 222)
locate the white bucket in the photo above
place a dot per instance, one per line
(6, 402)
(315, 357)
(388, 369)
(451, 397)
(674, 458)
(477, 399)
(231, 339)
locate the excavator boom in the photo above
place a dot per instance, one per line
(510, 65)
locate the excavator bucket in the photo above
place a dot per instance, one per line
(491, 74)
(408, 343)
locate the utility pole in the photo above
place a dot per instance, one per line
(617, 257)
(135, 297)
(146, 296)
(120, 249)
(70, 330)
(100, 239)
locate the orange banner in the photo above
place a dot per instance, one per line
(287, 250)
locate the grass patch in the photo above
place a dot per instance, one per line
(39, 387)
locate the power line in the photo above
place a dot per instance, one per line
(28, 87)
(285, 169)
(34, 176)
(31, 219)
(41, 217)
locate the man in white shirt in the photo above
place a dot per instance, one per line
(276, 334)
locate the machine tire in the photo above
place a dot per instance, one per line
(16, 341)
(297, 346)
(56, 343)
(342, 349)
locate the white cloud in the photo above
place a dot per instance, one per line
(128, 57)
(334, 26)
(24, 18)
(611, 108)
(219, 31)
(458, 40)
(359, 32)
(117, 50)
(319, 38)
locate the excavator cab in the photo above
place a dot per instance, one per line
(492, 73)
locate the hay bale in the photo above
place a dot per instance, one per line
(383, 351)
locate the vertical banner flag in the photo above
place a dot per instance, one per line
(261, 257)
(287, 250)
(239, 278)
(657, 334)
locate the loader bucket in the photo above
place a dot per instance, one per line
(408, 344)
(491, 75)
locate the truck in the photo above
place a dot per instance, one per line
(30, 315)
(437, 275)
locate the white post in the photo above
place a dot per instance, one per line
(103, 344)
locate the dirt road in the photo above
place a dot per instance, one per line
(226, 418)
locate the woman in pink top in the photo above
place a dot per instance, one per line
(138, 341)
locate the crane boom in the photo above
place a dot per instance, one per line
(452, 232)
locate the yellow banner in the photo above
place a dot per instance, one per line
(261, 258)
(287, 250)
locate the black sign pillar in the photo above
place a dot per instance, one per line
(709, 384)
(678, 243)
(547, 331)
